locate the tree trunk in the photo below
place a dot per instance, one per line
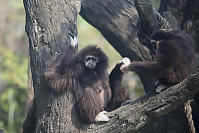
(48, 24)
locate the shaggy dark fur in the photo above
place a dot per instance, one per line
(90, 87)
(175, 58)
(120, 94)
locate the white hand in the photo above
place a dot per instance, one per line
(125, 62)
(101, 117)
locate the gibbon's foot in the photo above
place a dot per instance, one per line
(160, 88)
(125, 62)
(101, 117)
(73, 41)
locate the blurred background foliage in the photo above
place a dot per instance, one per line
(14, 63)
(13, 96)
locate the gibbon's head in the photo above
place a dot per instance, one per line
(161, 35)
(157, 37)
(93, 57)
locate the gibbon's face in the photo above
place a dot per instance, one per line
(90, 61)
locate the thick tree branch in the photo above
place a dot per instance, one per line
(148, 20)
(133, 117)
(151, 21)
(117, 21)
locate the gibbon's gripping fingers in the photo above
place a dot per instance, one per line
(73, 41)
(125, 63)
(160, 88)
(101, 117)
(124, 69)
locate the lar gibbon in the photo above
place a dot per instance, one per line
(85, 73)
(174, 59)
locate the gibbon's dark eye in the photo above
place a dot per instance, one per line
(87, 59)
(94, 59)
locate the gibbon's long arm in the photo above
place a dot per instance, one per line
(152, 68)
(119, 94)
(59, 73)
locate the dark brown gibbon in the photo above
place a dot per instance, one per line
(85, 73)
(174, 59)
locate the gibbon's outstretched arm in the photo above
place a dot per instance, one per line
(59, 73)
(119, 94)
(148, 68)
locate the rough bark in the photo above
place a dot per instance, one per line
(148, 21)
(48, 24)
